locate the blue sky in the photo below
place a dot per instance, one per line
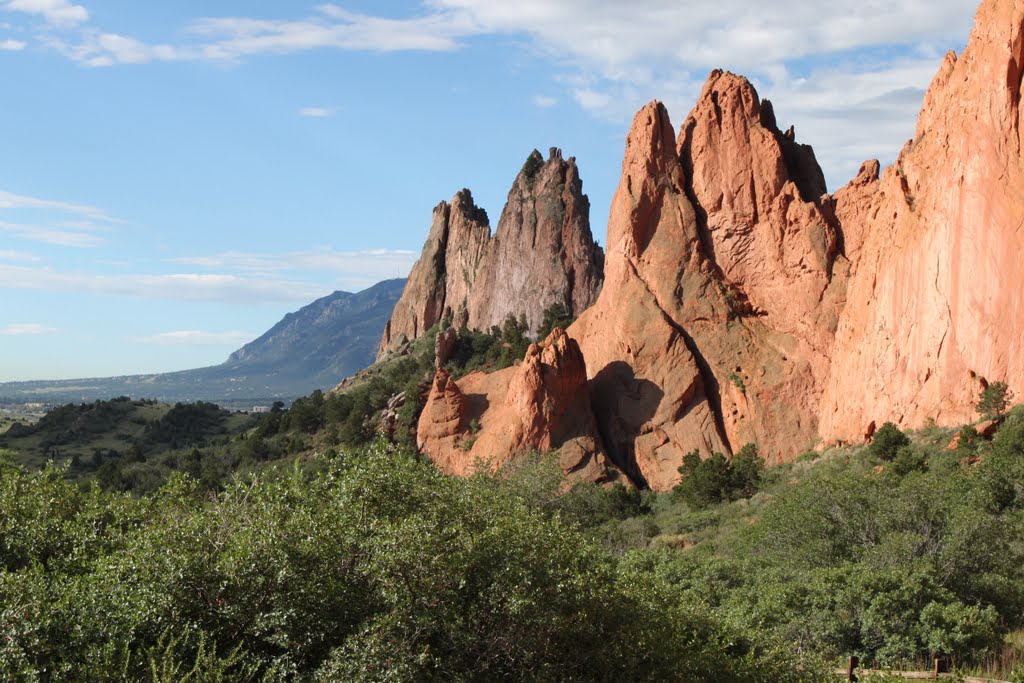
(175, 177)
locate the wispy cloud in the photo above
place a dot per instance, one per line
(194, 287)
(20, 329)
(196, 338)
(544, 101)
(316, 112)
(11, 45)
(613, 57)
(61, 223)
(352, 269)
(10, 200)
(230, 39)
(55, 236)
(12, 255)
(56, 12)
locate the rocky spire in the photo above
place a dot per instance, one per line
(542, 253)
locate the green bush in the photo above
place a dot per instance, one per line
(364, 566)
(887, 441)
(555, 315)
(715, 480)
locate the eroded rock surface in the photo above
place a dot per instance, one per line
(935, 307)
(541, 404)
(743, 304)
(542, 252)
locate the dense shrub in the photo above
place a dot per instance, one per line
(373, 567)
(715, 480)
(887, 441)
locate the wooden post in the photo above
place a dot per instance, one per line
(938, 662)
(850, 667)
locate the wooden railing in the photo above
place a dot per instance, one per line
(853, 672)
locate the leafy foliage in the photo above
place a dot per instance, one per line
(715, 480)
(994, 400)
(555, 315)
(371, 567)
(887, 441)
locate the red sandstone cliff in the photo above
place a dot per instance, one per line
(722, 288)
(936, 306)
(542, 252)
(741, 303)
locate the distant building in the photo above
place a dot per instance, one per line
(261, 409)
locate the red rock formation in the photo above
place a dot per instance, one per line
(722, 288)
(543, 250)
(542, 253)
(935, 306)
(539, 405)
(742, 304)
(445, 272)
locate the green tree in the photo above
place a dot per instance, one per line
(994, 399)
(555, 315)
(746, 472)
(887, 441)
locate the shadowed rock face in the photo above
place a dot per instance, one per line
(542, 252)
(446, 270)
(742, 304)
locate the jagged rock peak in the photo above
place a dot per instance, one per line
(443, 276)
(464, 204)
(543, 252)
(730, 104)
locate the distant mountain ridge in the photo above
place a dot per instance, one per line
(314, 347)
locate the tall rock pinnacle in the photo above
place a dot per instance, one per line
(743, 304)
(542, 252)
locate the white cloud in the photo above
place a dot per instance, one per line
(353, 269)
(332, 27)
(10, 200)
(57, 12)
(97, 49)
(612, 58)
(21, 329)
(229, 39)
(55, 236)
(12, 255)
(196, 338)
(11, 45)
(68, 224)
(544, 101)
(316, 112)
(727, 33)
(195, 287)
